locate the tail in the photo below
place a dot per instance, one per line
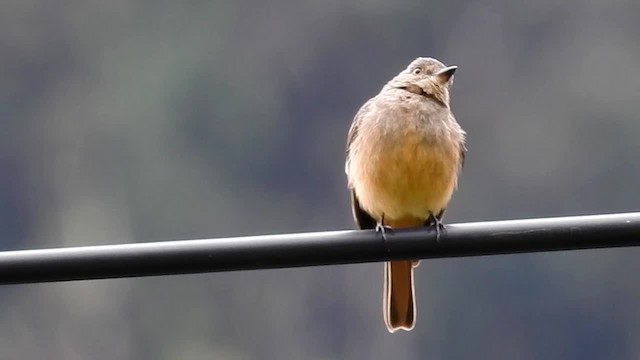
(399, 307)
(398, 302)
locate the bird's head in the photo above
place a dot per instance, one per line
(427, 77)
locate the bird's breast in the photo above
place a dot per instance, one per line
(404, 176)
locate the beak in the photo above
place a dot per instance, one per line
(445, 74)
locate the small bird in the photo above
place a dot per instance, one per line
(405, 151)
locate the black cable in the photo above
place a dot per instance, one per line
(320, 248)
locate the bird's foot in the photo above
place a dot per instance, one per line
(382, 229)
(436, 224)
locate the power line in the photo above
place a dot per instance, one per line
(319, 248)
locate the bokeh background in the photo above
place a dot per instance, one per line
(132, 121)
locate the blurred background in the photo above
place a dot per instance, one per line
(133, 121)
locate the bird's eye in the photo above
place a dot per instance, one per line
(417, 71)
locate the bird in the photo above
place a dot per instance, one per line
(405, 152)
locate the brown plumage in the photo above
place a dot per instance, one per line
(404, 153)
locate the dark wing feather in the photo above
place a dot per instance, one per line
(361, 217)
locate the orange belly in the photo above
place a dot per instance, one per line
(407, 179)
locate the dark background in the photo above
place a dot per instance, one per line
(130, 121)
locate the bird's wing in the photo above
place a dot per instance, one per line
(463, 154)
(361, 217)
(353, 130)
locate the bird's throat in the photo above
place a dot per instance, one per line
(418, 90)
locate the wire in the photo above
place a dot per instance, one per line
(319, 248)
